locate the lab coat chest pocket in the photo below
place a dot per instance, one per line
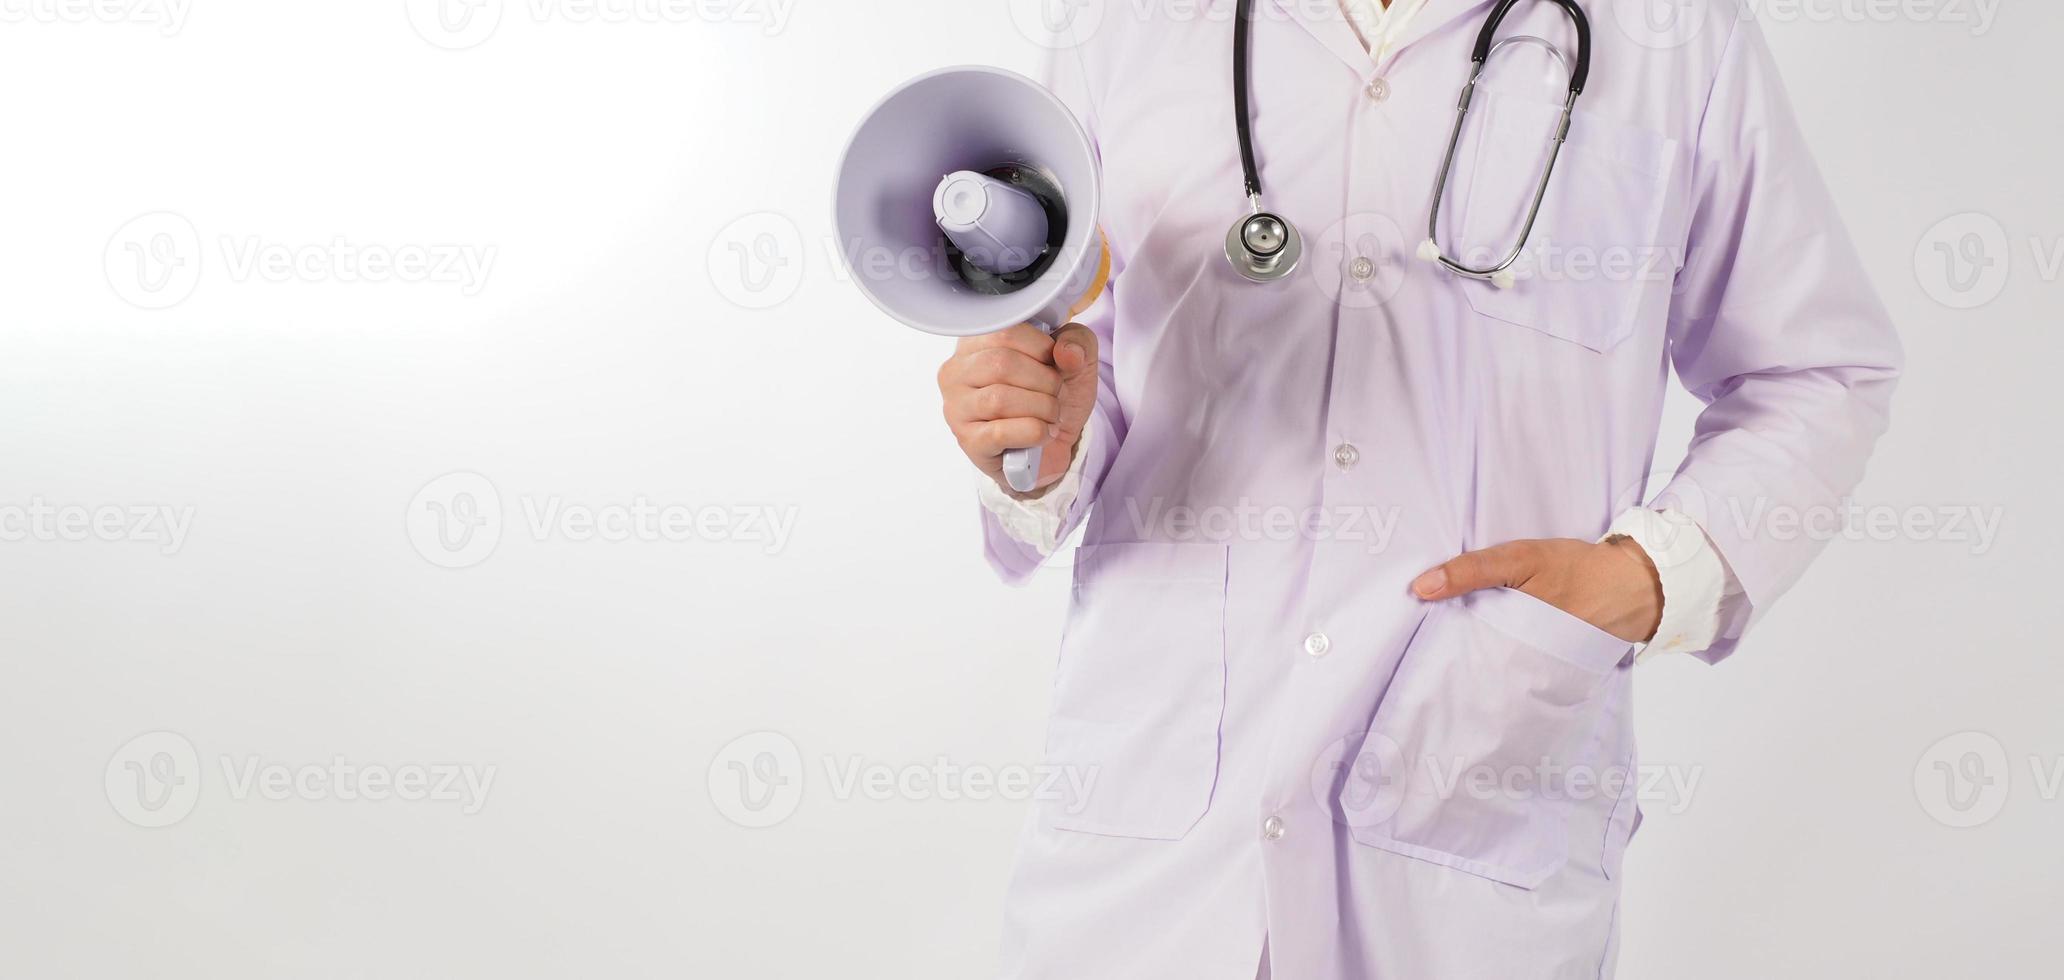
(1468, 762)
(1140, 690)
(1597, 249)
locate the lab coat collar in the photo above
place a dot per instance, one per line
(1440, 15)
(1326, 22)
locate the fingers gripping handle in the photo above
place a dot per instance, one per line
(1021, 466)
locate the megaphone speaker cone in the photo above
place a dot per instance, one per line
(967, 203)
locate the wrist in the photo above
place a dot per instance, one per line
(1652, 578)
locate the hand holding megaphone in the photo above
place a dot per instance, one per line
(1020, 389)
(967, 206)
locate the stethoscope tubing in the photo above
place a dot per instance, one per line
(1243, 31)
(1440, 184)
(1262, 267)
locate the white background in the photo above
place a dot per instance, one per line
(605, 357)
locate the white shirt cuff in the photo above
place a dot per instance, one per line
(1037, 521)
(1696, 582)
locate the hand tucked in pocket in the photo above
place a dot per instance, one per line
(1611, 585)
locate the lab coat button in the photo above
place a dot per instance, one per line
(1272, 828)
(1318, 644)
(1379, 90)
(1362, 269)
(1346, 455)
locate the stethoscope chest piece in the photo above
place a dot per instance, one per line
(1263, 247)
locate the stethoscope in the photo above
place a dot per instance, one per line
(1264, 246)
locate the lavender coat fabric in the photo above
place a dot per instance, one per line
(1289, 751)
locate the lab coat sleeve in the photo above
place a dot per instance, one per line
(1037, 520)
(1776, 328)
(1700, 595)
(1014, 558)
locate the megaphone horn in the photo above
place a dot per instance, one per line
(988, 178)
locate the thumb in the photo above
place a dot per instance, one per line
(1507, 565)
(1075, 354)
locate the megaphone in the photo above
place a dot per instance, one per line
(967, 204)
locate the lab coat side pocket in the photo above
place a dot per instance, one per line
(1620, 781)
(1140, 690)
(1495, 701)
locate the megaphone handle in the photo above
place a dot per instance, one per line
(1021, 466)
